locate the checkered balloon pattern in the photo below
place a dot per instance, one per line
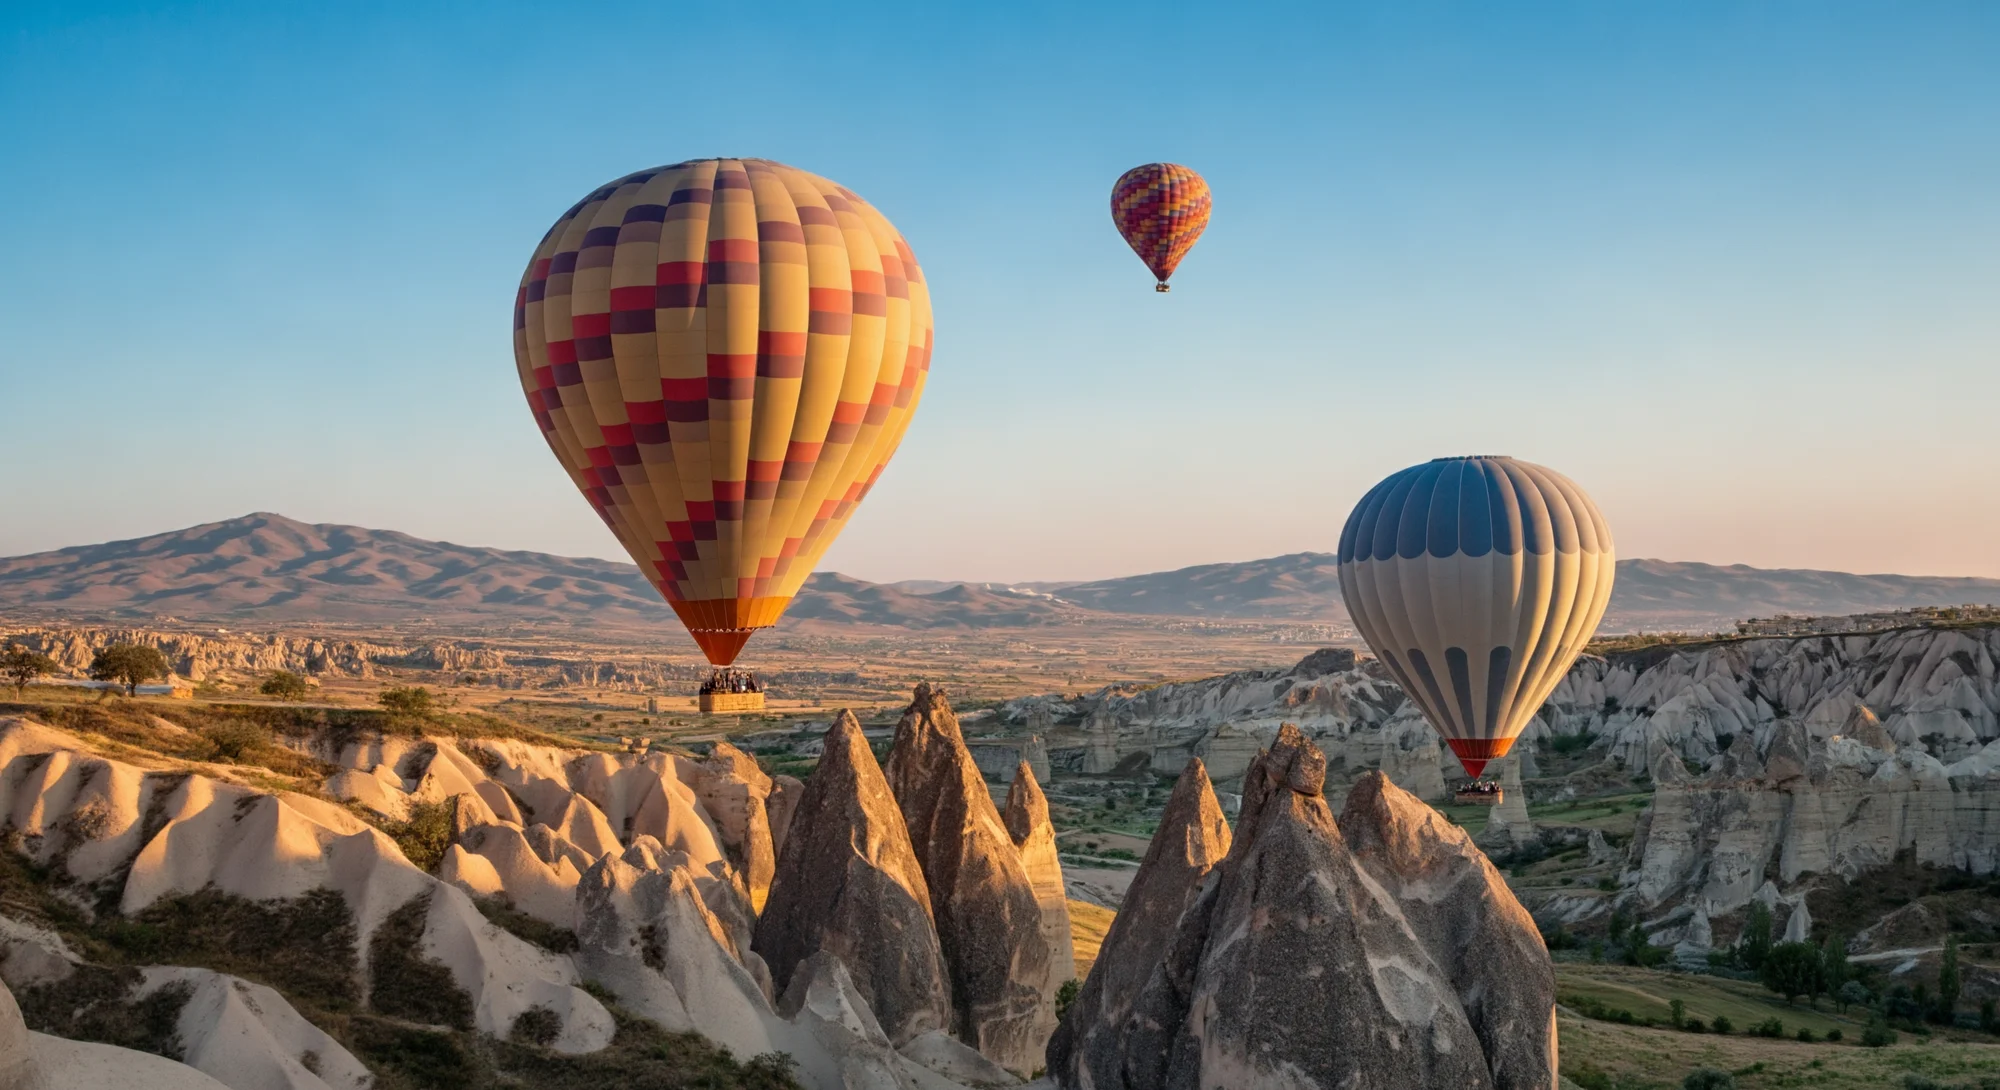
(723, 354)
(1161, 209)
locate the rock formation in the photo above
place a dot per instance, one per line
(1295, 964)
(778, 809)
(988, 917)
(1027, 818)
(18, 1069)
(1192, 838)
(848, 884)
(1469, 922)
(733, 790)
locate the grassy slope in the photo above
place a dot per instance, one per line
(1632, 1058)
(1088, 924)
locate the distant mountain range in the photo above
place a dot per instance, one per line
(268, 568)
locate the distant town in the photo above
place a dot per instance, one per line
(1785, 624)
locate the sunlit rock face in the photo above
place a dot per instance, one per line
(989, 919)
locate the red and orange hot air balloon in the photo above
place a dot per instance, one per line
(1161, 209)
(723, 354)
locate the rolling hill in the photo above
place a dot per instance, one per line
(268, 568)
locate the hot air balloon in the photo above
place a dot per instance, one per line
(723, 354)
(1161, 209)
(1477, 581)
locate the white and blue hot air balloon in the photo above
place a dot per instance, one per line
(1476, 581)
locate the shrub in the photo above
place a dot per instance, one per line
(1722, 1024)
(1791, 969)
(98, 1004)
(1835, 1034)
(1065, 996)
(1806, 1035)
(1676, 1012)
(426, 836)
(1877, 1034)
(1708, 1078)
(559, 940)
(304, 946)
(407, 984)
(236, 740)
(1695, 1025)
(1769, 1027)
(284, 685)
(538, 1026)
(412, 701)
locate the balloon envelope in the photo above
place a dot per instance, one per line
(1477, 581)
(1161, 209)
(723, 354)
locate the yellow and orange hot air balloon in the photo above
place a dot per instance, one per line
(1161, 209)
(723, 354)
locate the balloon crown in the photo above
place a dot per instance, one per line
(1471, 457)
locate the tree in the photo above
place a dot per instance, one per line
(1791, 969)
(22, 666)
(1677, 1012)
(1708, 1078)
(1834, 972)
(1852, 994)
(1756, 939)
(128, 664)
(1948, 981)
(416, 700)
(284, 685)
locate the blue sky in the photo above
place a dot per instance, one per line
(1735, 268)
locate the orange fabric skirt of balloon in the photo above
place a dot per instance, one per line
(1473, 753)
(723, 625)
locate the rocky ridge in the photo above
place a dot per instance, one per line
(1294, 964)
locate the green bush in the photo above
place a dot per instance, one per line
(1877, 1034)
(285, 685)
(237, 741)
(1769, 1027)
(1806, 1035)
(1708, 1078)
(1722, 1024)
(415, 701)
(426, 836)
(1066, 995)
(1834, 1034)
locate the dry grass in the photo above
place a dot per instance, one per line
(1088, 924)
(1607, 1055)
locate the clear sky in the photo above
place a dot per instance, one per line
(1733, 267)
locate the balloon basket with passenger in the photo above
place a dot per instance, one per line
(730, 690)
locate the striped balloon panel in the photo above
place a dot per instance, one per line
(1161, 209)
(723, 354)
(1477, 581)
